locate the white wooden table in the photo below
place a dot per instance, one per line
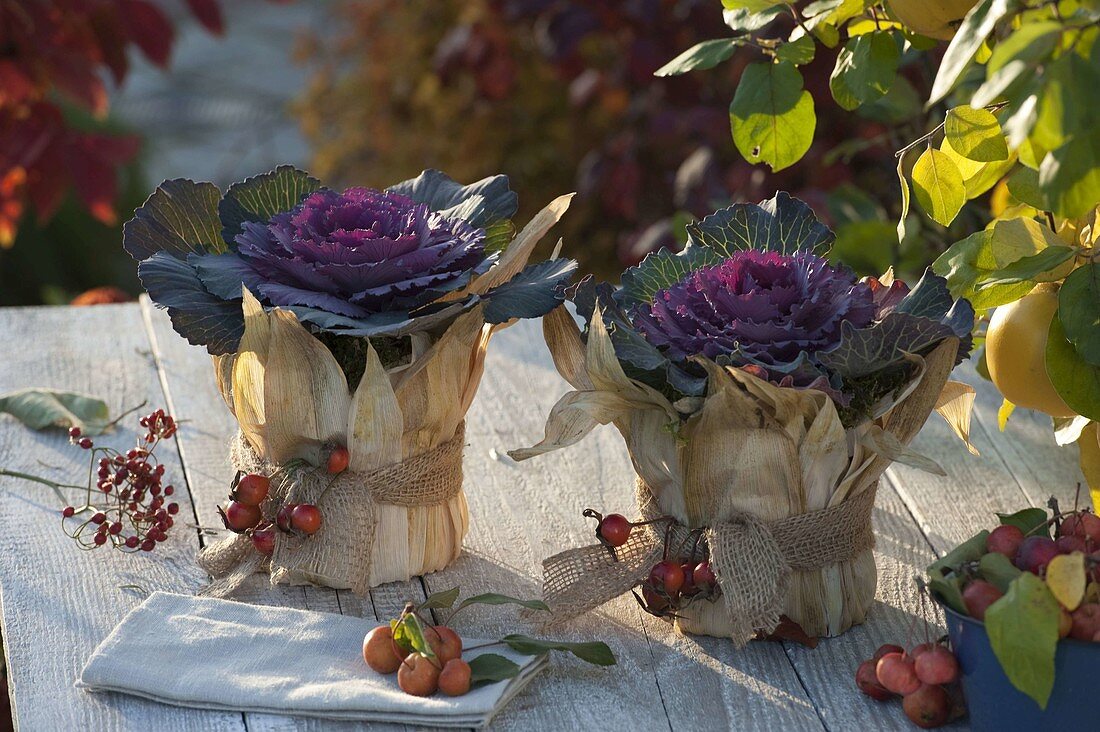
(58, 602)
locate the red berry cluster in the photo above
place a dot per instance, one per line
(126, 499)
(678, 579)
(1077, 531)
(925, 677)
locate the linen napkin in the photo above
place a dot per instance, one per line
(219, 654)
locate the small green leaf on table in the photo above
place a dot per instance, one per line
(938, 186)
(441, 599)
(1079, 311)
(491, 667)
(975, 134)
(492, 598)
(771, 116)
(42, 408)
(705, 55)
(591, 651)
(1023, 631)
(1076, 380)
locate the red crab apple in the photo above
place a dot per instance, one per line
(928, 706)
(380, 652)
(1083, 524)
(240, 516)
(919, 650)
(251, 489)
(445, 643)
(703, 575)
(1035, 553)
(1086, 622)
(668, 576)
(886, 648)
(1070, 543)
(454, 680)
(1005, 540)
(306, 518)
(978, 596)
(937, 666)
(418, 675)
(263, 538)
(338, 460)
(867, 681)
(895, 671)
(614, 528)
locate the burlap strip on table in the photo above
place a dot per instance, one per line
(752, 560)
(340, 553)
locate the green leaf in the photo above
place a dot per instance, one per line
(781, 224)
(262, 196)
(772, 116)
(998, 569)
(977, 177)
(1046, 266)
(747, 21)
(1075, 380)
(1020, 237)
(970, 550)
(179, 218)
(968, 262)
(662, 269)
(938, 186)
(408, 634)
(705, 55)
(480, 203)
(799, 51)
(1079, 311)
(42, 408)
(754, 6)
(865, 68)
(1023, 184)
(1031, 521)
(1023, 631)
(491, 667)
(1071, 176)
(1061, 116)
(498, 235)
(1032, 43)
(949, 589)
(492, 598)
(592, 651)
(444, 598)
(904, 198)
(975, 134)
(975, 28)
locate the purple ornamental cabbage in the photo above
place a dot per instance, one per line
(359, 252)
(758, 308)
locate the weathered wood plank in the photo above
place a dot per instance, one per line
(59, 602)
(520, 513)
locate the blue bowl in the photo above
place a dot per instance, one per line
(995, 705)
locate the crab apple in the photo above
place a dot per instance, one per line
(1005, 540)
(868, 683)
(263, 538)
(1065, 622)
(689, 588)
(282, 519)
(444, 642)
(418, 675)
(654, 601)
(251, 489)
(1083, 524)
(1035, 554)
(886, 648)
(338, 460)
(978, 596)
(380, 652)
(928, 706)
(703, 575)
(240, 517)
(306, 518)
(1086, 621)
(668, 576)
(1069, 544)
(937, 666)
(896, 672)
(614, 528)
(454, 679)
(920, 650)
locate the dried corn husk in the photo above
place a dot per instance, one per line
(291, 399)
(750, 448)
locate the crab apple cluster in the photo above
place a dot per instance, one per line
(925, 678)
(420, 674)
(1077, 532)
(244, 513)
(127, 504)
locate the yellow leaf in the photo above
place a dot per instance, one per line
(1066, 579)
(1089, 443)
(1004, 413)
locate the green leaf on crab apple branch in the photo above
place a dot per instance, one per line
(592, 651)
(705, 55)
(938, 186)
(492, 598)
(970, 550)
(1031, 521)
(42, 408)
(771, 115)
(998, 569)
(1023, 631)
(1078, 311)
(975, 134)
(1077, 381)
(490, 667)
(443, 599)
(408, 634)
(865, 69)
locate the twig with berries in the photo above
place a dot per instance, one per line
(126, 502)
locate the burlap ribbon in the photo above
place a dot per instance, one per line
(339, 555)
(752, 560)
